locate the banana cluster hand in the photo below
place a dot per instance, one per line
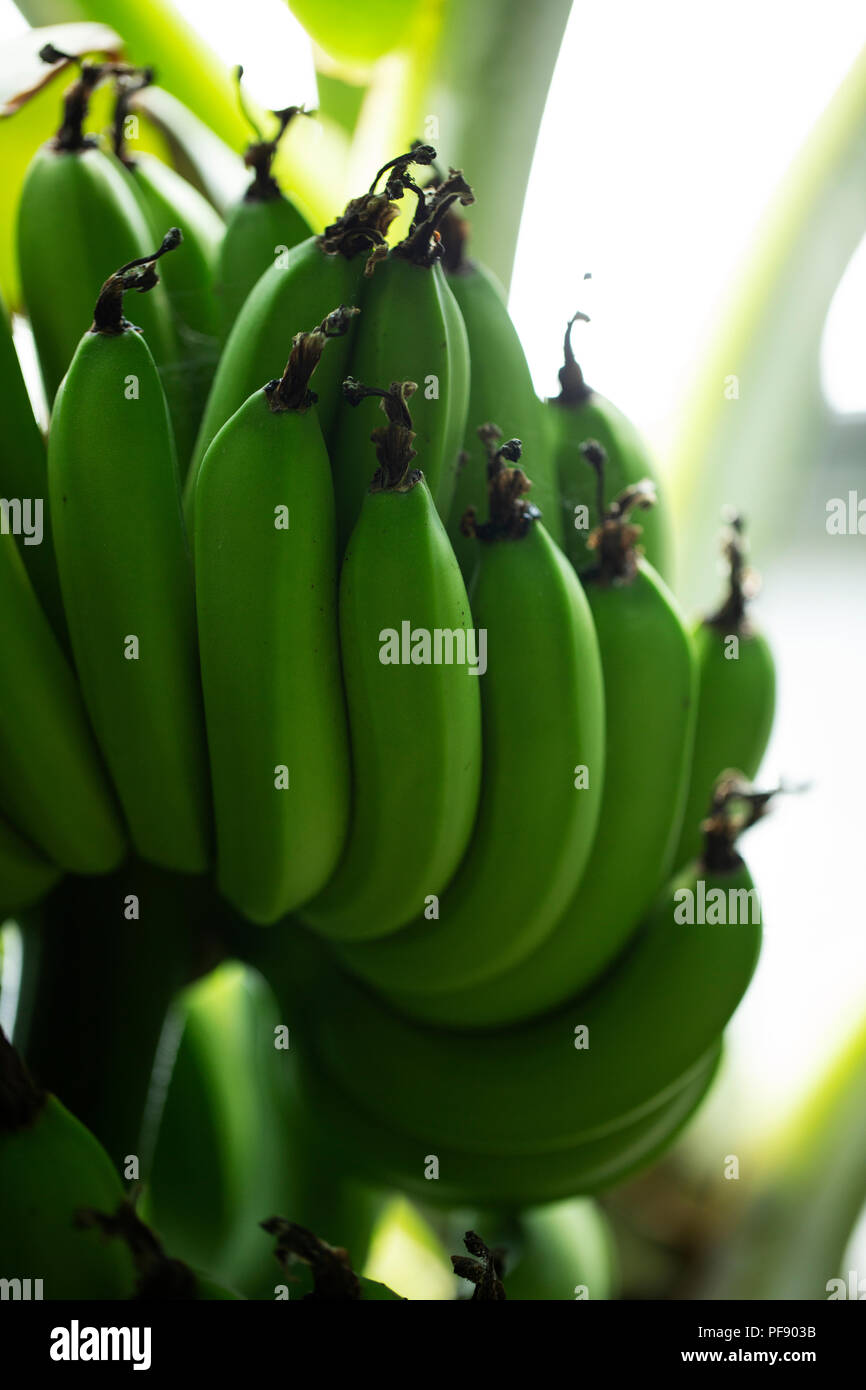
(445, 734)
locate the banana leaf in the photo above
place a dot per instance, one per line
(754, 423)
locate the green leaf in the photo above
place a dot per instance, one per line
(796, 1227)
(750, 450)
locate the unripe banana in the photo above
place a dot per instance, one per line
(77, 216)
(51, 1168)
(444, 1177)
(736, 695)
(650, 695)
(552, 1251)
(24, 875)
(414, 715)
(579, 414)
(266, 588)
(500, 389)
(543, 741)
(317, 274)
(411, 327)
(598, 1065)
(264, 224)
(52, 787)
(24, 478)
(126, 578)
(226, 1149)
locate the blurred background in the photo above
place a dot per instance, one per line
(699, 190)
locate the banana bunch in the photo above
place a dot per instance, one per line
(416, 697)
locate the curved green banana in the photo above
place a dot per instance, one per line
(500, 389)
(317, 274)
(77, 218)
(52, 786)
(51, 1168)
(264, 224)
(167, 200)
(411, 329)
(126, 578)
(24, 477)
(649, 675)
(546, 1085)
(225, 1151)
(384, 1155)
(736, 695)
(266, 592)
(412, 690)
(552, 1250)
(543, 760)
(579, 414)
(25, 876)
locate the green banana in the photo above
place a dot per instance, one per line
(649, 675)
(264, 224)
(411, 328)
(579, 414)
(224, 1153)
(553, 1250)
(544, 1086)
(384, 1155)
(543, 742)
(415, 724)
(51, 1168)
(52, 787)
(126, 577)
(736, 694)
(266, 583)
(25, 876)
(78, 216)
(167, 199)
(318, 273)
(500, 389)
(24, 477)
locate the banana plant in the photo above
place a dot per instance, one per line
(756, 418)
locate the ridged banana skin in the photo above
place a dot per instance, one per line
(78, 220)
(167, 200)
(501, 392)
(530, 1089)
(256, 232)
(52, 786)
(189, 274)
(25, 876)
(286, 300)
(542, 716)
(125, 570)
(48, 1172)
(270, 659)
(627, 462)
(465, 1179)
(415, 729)
(736, 703)
(408, 331)
(23, 472)
(649, 675)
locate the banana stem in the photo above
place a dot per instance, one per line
(259, 156)
(135, 275)
(615, 538)
(574, 390)
(510, 515)
(393, 441)
(292, 390)
(731, 616)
